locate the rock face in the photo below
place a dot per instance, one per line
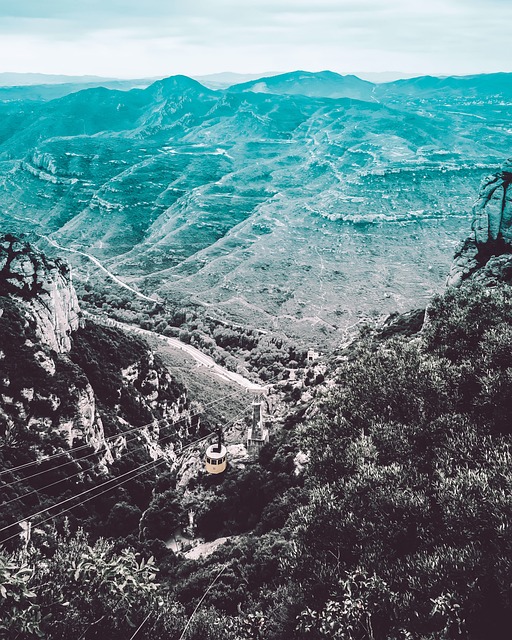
(45, 400)
(493, 209)
(43, 288)
(65, 383)
(497, 269)
(491, 230)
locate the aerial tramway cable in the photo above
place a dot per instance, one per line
(96, 495)
(145, 467)
(107, 439)
(74, 475)
(108, 481)
(94, 453)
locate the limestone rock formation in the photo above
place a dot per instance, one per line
(493, 209)
(492, 227)
(65, 383)
(43, 288)
(497, 269)
(44, 398)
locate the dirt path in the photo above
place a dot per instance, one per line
(104, 269)
(201, 358)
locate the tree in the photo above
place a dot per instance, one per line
(162, 517)
(84, 591)
(123, 520)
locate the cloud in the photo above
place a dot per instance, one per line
(228, 15)
(155, 36)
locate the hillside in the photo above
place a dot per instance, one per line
(478, 90)
(79, 403)
(379, 509)
(265, 209)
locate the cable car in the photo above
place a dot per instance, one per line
(216, 456)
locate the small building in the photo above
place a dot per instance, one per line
(257, 434)
(312, 356)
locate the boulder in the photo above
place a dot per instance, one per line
(491, 229)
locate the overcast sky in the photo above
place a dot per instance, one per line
(136, 38)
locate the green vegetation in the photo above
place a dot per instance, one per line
(231, 346)
(397, 528)
(410, 482)
(83, 591)
(105, 387)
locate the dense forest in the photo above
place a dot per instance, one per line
(397, 527)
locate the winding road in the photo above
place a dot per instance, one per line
(104, 269)
(200, 357)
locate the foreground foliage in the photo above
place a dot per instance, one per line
(411, 482)
(398, 529)
(82, 591)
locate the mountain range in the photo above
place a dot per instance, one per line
(380, 506)
(302, 202)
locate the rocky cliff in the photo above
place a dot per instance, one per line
(93, 396)
(46, 401)
(62, 384)
(43, 288)
(490, 242)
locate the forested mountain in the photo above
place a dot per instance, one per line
(262, 207)
(380, 509)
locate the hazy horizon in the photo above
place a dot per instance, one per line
(195, 38)
(27, 78)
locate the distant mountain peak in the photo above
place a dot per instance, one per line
(12, 79)
(315, 84)
(178, 84)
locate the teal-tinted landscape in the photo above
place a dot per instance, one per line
(301, 202)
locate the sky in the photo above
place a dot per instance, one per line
(150, 38)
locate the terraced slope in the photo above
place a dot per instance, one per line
(283, 211)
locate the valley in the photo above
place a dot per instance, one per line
(248, 243)
(298, 210)
(198, 356)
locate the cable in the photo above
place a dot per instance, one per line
(201, 601)
(115, 486)
(179, 454)
(89, 455)
(141, 625)
(58, 504)
(95, 453)
(86, 446)
(156, 462)
(74, 475)
(82, 471)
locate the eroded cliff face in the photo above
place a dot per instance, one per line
(64, 383)
(46, 402)
(43, 288)
(491, 235)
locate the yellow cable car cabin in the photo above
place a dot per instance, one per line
(216, 461)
